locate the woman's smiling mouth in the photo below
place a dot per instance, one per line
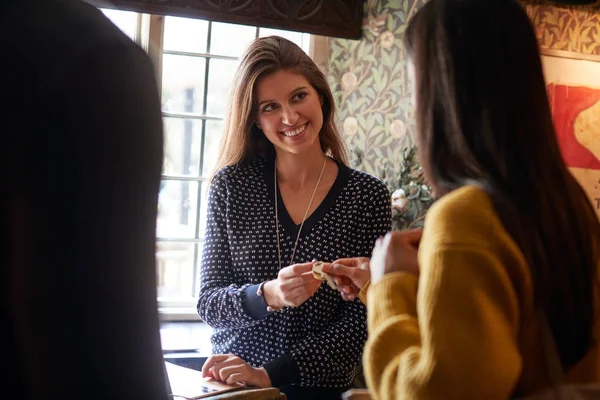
(295, 132)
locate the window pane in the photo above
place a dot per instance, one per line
(220, 79)
(301, 39)
(230, 39)
(212, 140)
(306, 43)
(182, 146)
(183, 83)
(185, 34)
(177, 209)
(124, 20)
(174, 269)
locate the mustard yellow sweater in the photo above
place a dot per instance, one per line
(469, 331)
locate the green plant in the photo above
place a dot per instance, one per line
(411, 196)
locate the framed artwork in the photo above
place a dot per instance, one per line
(573, 85)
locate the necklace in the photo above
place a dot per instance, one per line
(303, 219)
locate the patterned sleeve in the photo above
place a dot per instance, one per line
(337, 350)
(381, 215)
(222, 303)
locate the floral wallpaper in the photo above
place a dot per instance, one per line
(570, 28)
(370, 85)
(369, 81)
(373, 94)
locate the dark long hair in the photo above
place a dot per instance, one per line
(483, 116)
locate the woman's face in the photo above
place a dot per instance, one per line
(289, 112)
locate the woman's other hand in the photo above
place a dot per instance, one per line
(350, 275)
(294, 285)
(395, 252)
(231, 369)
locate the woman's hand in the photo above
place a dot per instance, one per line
(350, 275)
(294, 285)
(231, 369)
(395, 252)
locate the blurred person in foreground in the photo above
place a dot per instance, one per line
(81, 163)
(509, 254)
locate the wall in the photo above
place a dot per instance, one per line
(566, 28)
(369, 79)
(372, 91)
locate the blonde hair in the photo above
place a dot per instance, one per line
(242, 141)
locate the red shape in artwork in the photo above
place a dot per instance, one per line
(567, 102)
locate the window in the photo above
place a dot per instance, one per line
(126, 21)
(198, 60)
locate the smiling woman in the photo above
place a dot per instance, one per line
(282, 195)
(195, 62)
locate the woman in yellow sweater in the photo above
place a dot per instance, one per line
(511, 241)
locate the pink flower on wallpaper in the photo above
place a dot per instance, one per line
(375, 23)
(350, 126)
(398, 129)
(387, 40)
(349, 81)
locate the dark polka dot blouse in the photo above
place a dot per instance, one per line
(319, 343)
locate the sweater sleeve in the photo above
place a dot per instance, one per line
(333, 352)
(463, 344)
(223, 303)
(382, 225)
(362, 295)
(379, 220)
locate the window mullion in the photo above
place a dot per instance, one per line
(154, 45)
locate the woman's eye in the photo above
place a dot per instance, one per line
(269, 107)
(300, 95)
